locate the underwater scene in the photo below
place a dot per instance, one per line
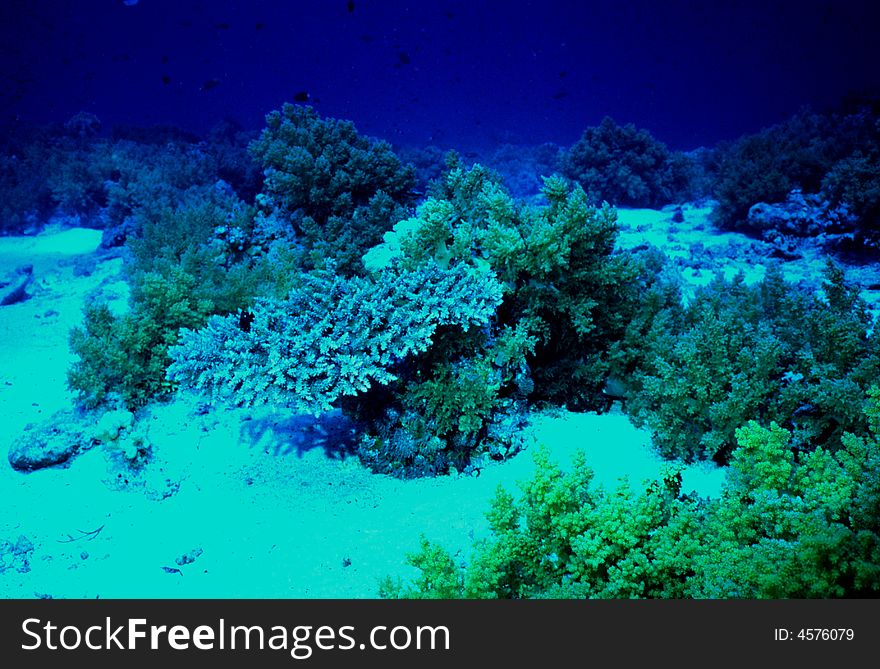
(442, 299)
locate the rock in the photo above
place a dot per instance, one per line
(84, 265)
(115, 235)
(49, 443)
(188, 558)
(13, 288)
(801, 215)
(16, 556)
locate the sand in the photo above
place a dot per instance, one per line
(235, 503)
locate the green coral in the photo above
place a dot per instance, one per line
(122, 359)
(568, 297)
(788, 528)
(770, 352)
(783, 527)
(565, 287)
(568, 537)
(627, 166)
(188, 263)
(337, 189)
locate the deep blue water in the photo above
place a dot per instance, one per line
(451, 73)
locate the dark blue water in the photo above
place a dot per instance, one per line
(450, 73)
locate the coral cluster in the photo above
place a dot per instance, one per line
(770, 352)
(435, 328)
(626, 166)
(74, 173)
(783, 527)
(338, 190)
(832, 154)
(469, 308)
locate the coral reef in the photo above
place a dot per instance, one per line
(809, 153)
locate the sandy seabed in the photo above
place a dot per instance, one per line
(234, 503)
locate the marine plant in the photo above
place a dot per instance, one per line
(855, 183)
(188, 263)
(74, 171)
(567, 298)
(121, 359)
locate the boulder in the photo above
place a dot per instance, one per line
(115, 236)
(13, 287)
(49, 443)
(801, 215)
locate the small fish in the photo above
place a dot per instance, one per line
(245, 318)
(350, 6)
(221, 26)
(615, 388)
(302, 96)
(166, 79)
(403, 58)
(560, 95)
(259, 26)
(129, 3)
(209, 84)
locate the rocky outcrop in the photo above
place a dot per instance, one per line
(13, 287)
(801, 215)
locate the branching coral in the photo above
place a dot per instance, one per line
(332, 337)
